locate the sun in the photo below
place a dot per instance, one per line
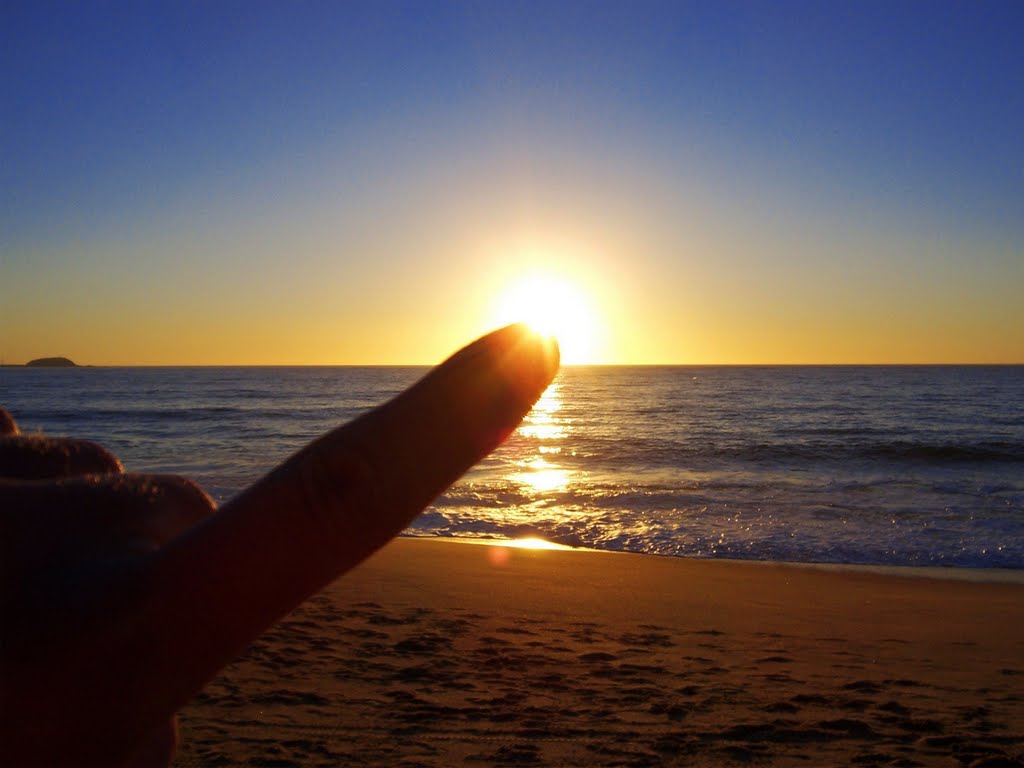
(552, 306)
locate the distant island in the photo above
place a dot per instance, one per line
(50, 362)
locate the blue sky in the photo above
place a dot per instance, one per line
(816, 130)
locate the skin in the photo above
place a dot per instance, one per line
(122, 595)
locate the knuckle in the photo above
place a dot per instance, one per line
(183, 493)
(8, 426)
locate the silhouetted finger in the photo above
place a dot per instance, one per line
(35, 457)
(334, 503)
(8, 426)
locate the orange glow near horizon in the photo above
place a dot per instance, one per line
(605, 298)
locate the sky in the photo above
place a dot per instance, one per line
(361, 183)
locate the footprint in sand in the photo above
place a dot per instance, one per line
(597, 656)
(647, 640)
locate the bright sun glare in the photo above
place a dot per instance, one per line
(555, 307)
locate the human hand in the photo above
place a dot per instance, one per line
(122, 595)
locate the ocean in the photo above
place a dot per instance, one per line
(883, 465)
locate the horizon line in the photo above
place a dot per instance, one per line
(563, 365)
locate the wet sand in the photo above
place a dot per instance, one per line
(436, 653)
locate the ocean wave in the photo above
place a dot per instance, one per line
(910, 543)
(668, 453)
(949, 452)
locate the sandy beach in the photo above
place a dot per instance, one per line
(440, 653)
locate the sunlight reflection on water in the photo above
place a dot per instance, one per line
(540, 472)
(543, 422)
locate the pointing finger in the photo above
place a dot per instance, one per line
(333, 504)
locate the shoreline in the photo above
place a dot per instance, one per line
(940, 573)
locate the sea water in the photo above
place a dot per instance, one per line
(901, 465)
